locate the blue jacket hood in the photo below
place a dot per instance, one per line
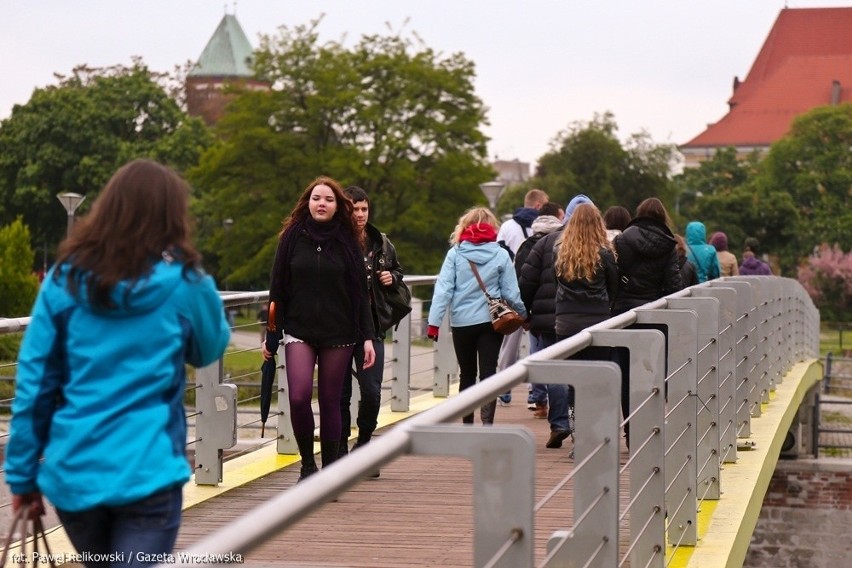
(479, 254)
(696, 234)
(131, 297)
(524, 216)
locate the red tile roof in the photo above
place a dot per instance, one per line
(805, 52)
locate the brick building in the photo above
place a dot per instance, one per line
(226, 60)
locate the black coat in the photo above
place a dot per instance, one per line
(647, 264)
(586, 297)
(537, 283)
(317, 305)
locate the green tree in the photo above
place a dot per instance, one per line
(589, 158)
(18, 283)
(73, 135)
(813, 165)
(388, 114)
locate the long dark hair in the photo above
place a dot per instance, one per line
(141, 213)
(654, 209)
(339, 232)
(301, 210)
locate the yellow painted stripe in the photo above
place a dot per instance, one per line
(246, 468)
(725, 526)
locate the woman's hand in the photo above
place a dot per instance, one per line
(369, 354)
(32, 500)
(386, 278)
(266, 353)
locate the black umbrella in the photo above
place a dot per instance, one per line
(267, 373)
(268, 369)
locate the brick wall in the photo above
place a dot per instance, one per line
(806, 519)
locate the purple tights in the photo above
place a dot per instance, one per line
(332, 363)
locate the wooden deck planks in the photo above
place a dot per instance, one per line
(418, 513)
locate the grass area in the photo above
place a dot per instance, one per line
(835, 418)
(835, 338)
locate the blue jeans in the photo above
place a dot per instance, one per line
(126, 535)
(538, 391)
(370, 386)
(558, 397)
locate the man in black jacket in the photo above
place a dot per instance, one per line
(383, 270)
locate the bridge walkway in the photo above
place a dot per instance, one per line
(375, 524)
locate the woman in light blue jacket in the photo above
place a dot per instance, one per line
(98, 423)
(476, 343)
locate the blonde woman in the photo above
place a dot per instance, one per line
(587, 279)
(476, 343)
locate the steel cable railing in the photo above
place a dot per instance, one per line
(649, 445)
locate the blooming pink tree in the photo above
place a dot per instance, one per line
(827, 277)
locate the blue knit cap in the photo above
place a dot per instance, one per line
(575, 201)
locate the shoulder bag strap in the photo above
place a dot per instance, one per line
(478, 279)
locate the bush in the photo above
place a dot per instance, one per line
(827, 277)
(18, 284)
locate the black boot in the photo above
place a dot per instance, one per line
(343, 448)
(306, 450)
(359, 444)
(329, 450)
(487, 411)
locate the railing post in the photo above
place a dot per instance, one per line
(725, 362)
(647, 444)
(827, 373)
(681, 432)
(216, 423)
(401, 367)
(593, 538)
(446, 366)
(286, 439)
(503, 486)
(748, 396)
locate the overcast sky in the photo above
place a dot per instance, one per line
(664, 66)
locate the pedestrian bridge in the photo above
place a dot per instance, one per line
(717, 374)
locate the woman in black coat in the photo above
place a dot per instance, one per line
(648, 269)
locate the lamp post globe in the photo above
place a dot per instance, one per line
(70, 201)
(492, 190)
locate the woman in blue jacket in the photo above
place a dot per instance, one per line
(475, 342)
(702, 255)
(101, 371)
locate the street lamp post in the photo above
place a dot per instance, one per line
(492, 191)
(70, 201)
(227, 224)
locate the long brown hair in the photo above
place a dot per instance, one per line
(580, 243)
(654, 208)
(301, 211)
(141, 213)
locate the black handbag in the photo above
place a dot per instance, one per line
(396, 297)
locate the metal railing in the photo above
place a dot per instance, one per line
(702, 364)
(703, 361)
(833, 409)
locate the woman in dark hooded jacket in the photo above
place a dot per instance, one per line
(648, 269)
(647, 260)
